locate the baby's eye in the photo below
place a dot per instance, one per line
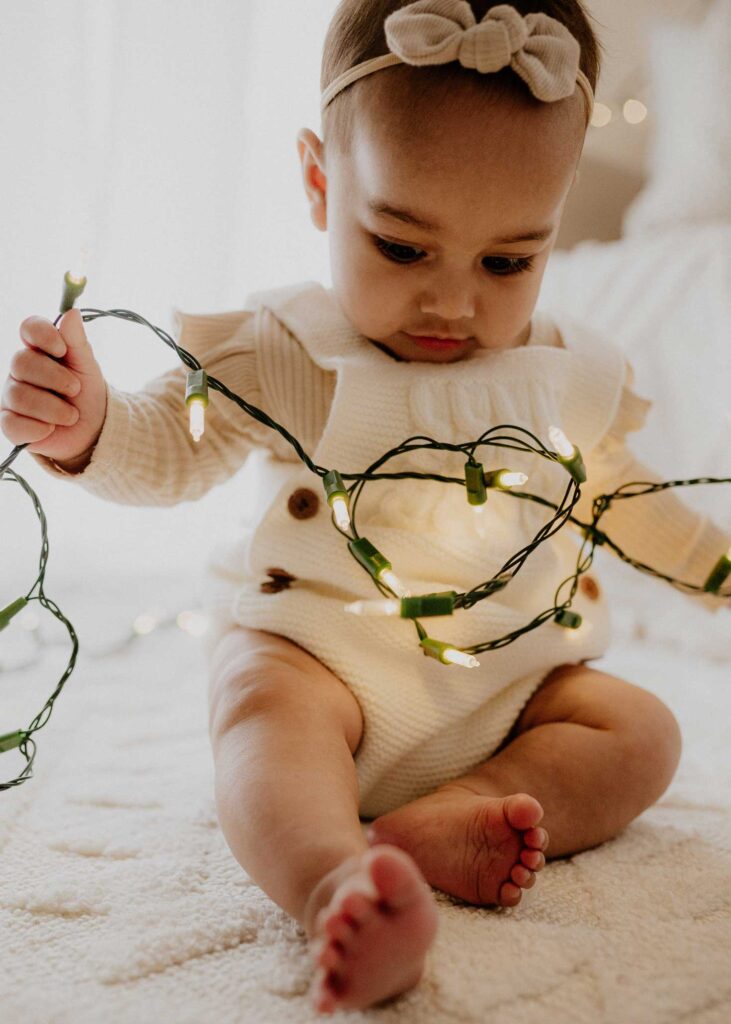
(397, 253)
(500, 265)
(509, 264)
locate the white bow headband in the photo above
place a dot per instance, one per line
(537, 47)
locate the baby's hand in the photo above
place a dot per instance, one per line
(55, 395)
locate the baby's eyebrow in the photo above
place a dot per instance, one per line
(384, 209)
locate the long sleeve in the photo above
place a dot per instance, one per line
(658, 529)
(145, 454)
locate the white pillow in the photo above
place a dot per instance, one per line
(690, 141)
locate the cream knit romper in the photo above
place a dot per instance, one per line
(424, 722)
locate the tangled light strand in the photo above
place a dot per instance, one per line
(344, 500)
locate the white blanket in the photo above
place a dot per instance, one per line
(120, 900)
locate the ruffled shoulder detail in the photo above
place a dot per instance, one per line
(630, 416)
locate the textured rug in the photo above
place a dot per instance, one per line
(121, 902)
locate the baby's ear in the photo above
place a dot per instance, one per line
(310, 152)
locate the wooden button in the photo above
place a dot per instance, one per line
(280, 580)
(590, 587)
(303, 503)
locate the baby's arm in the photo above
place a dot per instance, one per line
(658, 529)
(145, 454)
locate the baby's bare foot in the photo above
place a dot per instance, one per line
(371, 939)
(483, 849)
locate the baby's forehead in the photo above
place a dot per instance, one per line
(456, 172)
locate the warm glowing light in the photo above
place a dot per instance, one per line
(509, 479)
(385, 607)
(144, 624)
(392, 581)
(29, 620)
(78, 274)
(457, 657)
(633, 111)
(601, 115)
(197, 418)
(341, 513)
(192, 622)
(560, 442)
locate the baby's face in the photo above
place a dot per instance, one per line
(476, 177)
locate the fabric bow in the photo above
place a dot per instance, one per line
(537, 47)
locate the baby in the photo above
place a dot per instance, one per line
(441, 179)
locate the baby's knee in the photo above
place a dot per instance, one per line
(653, 743)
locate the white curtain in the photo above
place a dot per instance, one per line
(160, 134)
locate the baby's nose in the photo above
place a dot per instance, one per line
(452, 302)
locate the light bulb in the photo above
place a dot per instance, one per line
(601, 115)
(384, 607)
(457, 657)
(389, 577)
(144, 624)
(197, 418)
(560, 442)
(341, 513)
(633, 111)
(509, 479)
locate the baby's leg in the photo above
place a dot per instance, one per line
(284, 730)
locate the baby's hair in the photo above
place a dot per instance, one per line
(356, 34)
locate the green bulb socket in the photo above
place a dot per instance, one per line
(12, 739)
(575, 465)
(368, 556)
(334, 486)
(6, 614)
(72, 288)
(428, 604)
(435, 649)
(571, 620)
(720, 571)
(196, 386)
(474, 475)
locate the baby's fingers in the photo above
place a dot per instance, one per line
(37, 332)
(22, 429)
(37, 403)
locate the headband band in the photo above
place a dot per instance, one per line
(540, 49)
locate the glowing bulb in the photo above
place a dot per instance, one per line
(385, 607)
(601, 115)
(457, 657)
(479, 521)
(78, 275)
(560, 442)
(144, 624)
(197, 418)
(510, 479)
(192, 622)
(341, 513)
(633, 111)
(389, 577)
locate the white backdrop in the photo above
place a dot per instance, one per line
(161, 135)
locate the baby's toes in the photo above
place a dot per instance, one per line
(523, 877)
(331, 956)
(536, 837)
(533, 859)
(355, 908)
(510, 894)
(338, 929)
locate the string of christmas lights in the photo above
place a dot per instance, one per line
(343, 501)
